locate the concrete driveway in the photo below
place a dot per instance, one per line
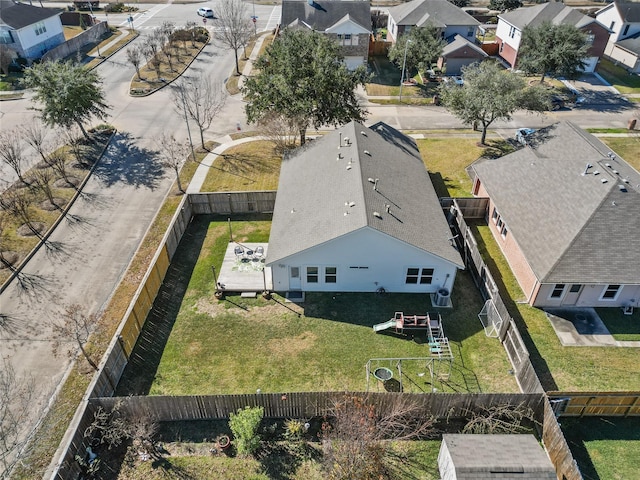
(598, 94)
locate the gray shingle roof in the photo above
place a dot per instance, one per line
(632, 43)
(629, 11)
(316, 188)
(555, 12)
(460, 42)
(495, 456)
(440, 13)
(325, 13)
(572, 228)
(20, 15)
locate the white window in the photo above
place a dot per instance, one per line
(512, 32)
(590, 38)
(424, 276)
(40, 28)
(495, 215)
(611, 292)
(504, 231)
(6, 37)
(558, 290)
(312, 274)
(330, 274)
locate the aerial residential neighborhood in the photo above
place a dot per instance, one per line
(312, 239)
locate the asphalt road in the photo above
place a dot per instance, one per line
(87, 257)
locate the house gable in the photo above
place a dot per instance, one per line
(20, 15)
(324, 14)
(437, 12)
(563, 215)
(352, 178)
(347, 25)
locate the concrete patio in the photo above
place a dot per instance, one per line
(245, 272)
(582, 327)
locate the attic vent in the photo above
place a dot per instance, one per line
(339, 157)
(347, 141)
(596, 172)
(608, 165)
(363, 133)
(612, 156)
(604, 180)
(377, 215)
(615, 171)
(348, 167)
(622, 188)
(366, 152)
(371, 180)
(625, 180)
(352, 204)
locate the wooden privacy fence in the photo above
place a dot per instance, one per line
(123, 342)
(589, 404)
(310, 404)
(557, 446)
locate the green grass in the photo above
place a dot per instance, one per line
(238, 345)
(249, 166)
(447, 158)
(559, 368)
(605, 448)
(622, 327)
(626, 147)
(618, 77)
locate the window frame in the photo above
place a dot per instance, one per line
(310, 276)
(40, 28)
(557, 292)
(330, 277)
(426, 275)
(412, 278)
(607, 290)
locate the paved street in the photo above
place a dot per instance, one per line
(87, 258)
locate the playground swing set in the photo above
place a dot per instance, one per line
(438, 363)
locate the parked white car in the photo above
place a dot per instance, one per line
(205, 12)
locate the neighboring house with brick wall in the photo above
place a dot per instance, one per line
(460, 53)
(346, 21)
(355, 212)
(623, 20)
(565, 212)
(29, 30)
(511, 24)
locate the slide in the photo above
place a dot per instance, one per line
(385, 325)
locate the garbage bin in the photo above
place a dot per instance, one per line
(632, 124)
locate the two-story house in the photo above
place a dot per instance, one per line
(623, 20)
(347, 21)
(28, 30)
(511, 24)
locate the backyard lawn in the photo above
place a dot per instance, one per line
(617, 76)
(239, 345)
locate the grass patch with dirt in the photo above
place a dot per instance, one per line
(248, 166)
(617, 76)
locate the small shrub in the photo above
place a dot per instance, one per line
(294, 430)
(244, 424)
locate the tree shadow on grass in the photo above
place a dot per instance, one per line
(124, 162)
(140, 371)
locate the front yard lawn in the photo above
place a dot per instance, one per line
(617, 76)
(239, 345)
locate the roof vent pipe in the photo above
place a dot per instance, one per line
(375, 184)
(387, 207)
(586, 169)
(340, 142)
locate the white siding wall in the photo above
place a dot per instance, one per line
(461, 30)
(386, 260)
(590, 296)
(33, 46)
(502, 31)
(392, 30)
(445, 463)
(626, 58)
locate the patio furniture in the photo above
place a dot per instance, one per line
(259, 253)
(239, 251)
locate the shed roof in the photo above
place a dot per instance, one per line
(572, 227)
(632, 44)
(498, 456)
(20, 15)
(325, 192)
(555, 12)
(440, 13)
(323, 14)
(459, 43)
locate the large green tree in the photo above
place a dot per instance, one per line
(68, 93)
(425, 45)
(490, 93)
(302, 77)
(550, 49)
(503, 5)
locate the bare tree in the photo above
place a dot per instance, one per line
(355, 431)
(11, 152)
(173, 154)
(42, 181)
(135, 55)
(281, 130)
(35, 135)
(58, 161)
(518, 418)
(192, 27)
(18, 204)
(76, 325)
(235, 26)
(74, 141)
(16, 396)
(6, 57)
(202, 100)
